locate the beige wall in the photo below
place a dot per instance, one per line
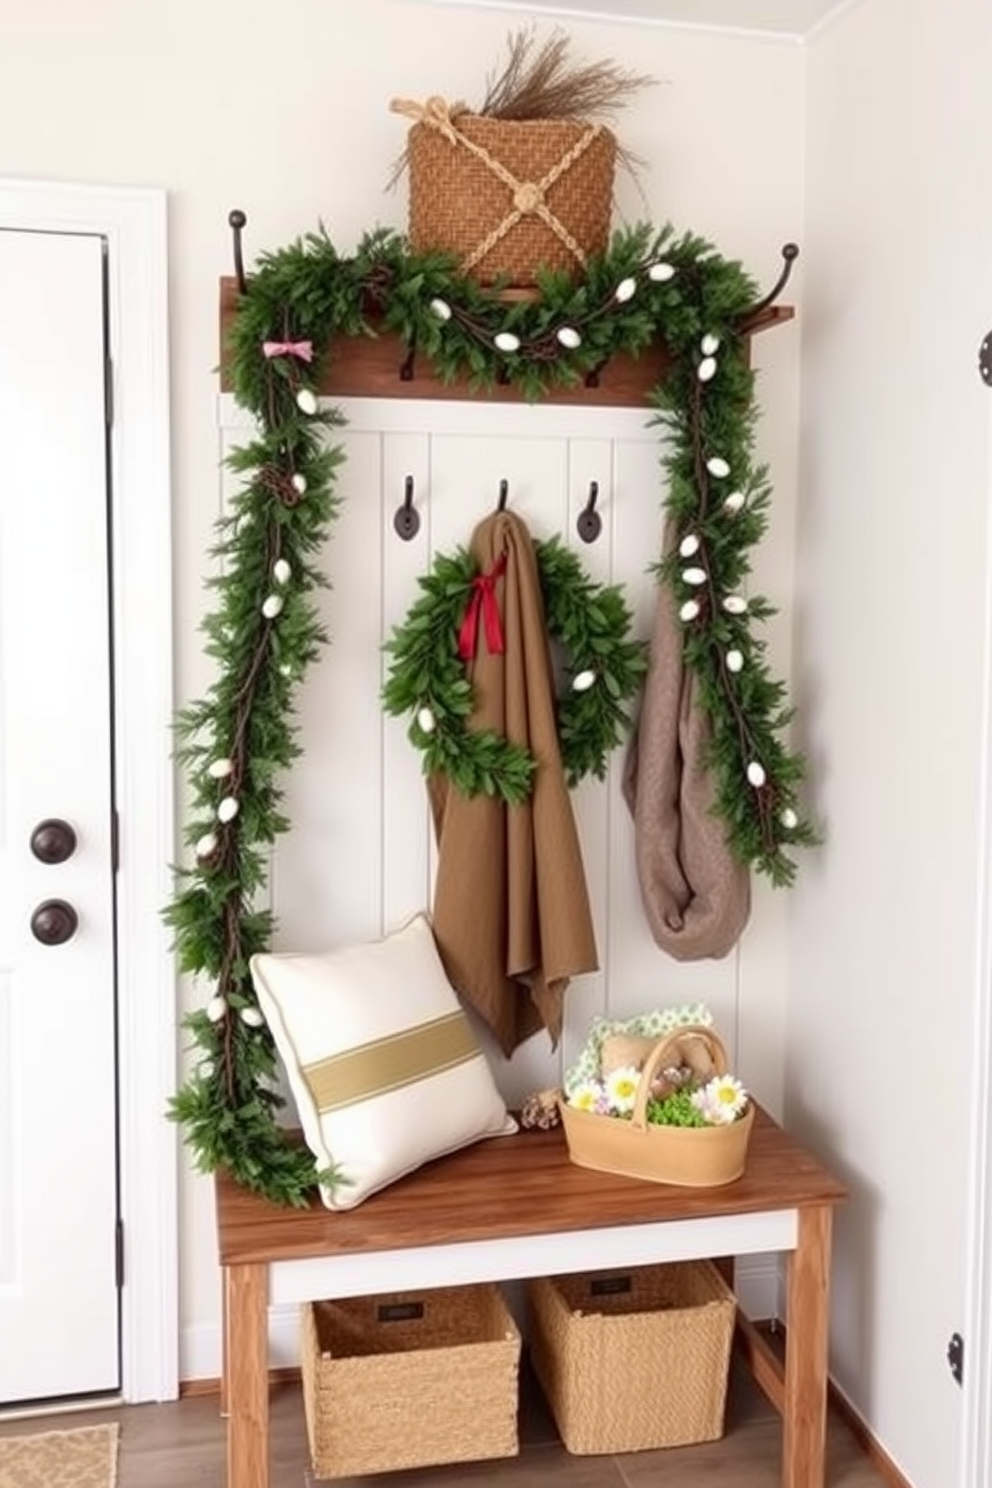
(283, 110)
(891, 589)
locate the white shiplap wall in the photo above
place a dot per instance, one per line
(359, 857)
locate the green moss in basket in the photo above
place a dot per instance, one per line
(676, 1109)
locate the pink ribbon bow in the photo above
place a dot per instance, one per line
(301, 349)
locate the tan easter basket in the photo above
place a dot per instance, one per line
(690, 1157)
(508, 196)
(413, 1380)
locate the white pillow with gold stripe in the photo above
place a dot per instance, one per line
(381, 1058)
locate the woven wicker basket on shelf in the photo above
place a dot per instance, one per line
(634, 1360)
(508, 196)
(411, 1380)
(687, 1156)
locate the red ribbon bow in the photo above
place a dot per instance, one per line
(301, 349)
(483, 599)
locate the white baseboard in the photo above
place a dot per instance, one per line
(757, 1282)
(200, 1349)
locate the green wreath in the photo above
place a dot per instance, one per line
(602, 671)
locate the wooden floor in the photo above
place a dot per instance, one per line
(182, 1446)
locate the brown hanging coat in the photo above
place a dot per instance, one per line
(511, 911)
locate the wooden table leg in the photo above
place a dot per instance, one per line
(804, 1414)
(247, 1374)
(225, 1347)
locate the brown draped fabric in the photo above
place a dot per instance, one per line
(511, 910)
(696, 894)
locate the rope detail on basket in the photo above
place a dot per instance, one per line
(528, 197)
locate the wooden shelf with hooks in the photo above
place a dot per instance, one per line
(369, 367)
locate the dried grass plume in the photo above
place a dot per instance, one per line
(539, 81)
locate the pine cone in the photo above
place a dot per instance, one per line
(540, 1110)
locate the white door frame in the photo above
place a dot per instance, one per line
(975, 1456)
(133, 223)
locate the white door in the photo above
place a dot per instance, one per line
(58, 1099)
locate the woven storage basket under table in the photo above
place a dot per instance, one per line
(409, 1380)
(507, 197)
(637, 1359)
(687, 1156)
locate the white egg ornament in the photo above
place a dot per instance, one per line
(582, 681)
(734, 502)
(694, 576)
(299, 483)
(661, 272)
(690, 610)
(206, 846)
(734, 604)
(441, 309)
(228, 809)
(426, 721)
(717, 466)
(689, 545)
(706, 370)
(281, 571)
(272, 606)
(306, 402)
(216, 1009)
(625, 290)
(506, 341)
(219, 769)
(735, 660)
(710, 345)
(756, 774)
(252, 1017)
(789, 819)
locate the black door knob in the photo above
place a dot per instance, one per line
(53, 840)
(54, 922)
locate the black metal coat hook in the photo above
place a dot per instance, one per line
(237, 221)
(790, 252)
(985, 360)
(590, 523)
(504, 491)
(408, 362)
(591, 379)
(407, 518)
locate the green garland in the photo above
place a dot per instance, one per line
(264, 633)
(603, 672)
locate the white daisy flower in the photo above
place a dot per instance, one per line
(586, 1095)
(698, 1100)
(621, 1087)
(723, 1099)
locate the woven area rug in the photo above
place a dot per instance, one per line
(84, 1458)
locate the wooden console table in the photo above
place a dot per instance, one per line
(515, 1207)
